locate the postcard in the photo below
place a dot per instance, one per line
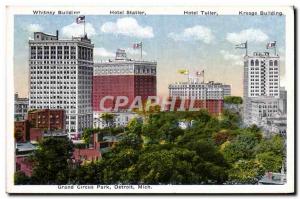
(143, 100)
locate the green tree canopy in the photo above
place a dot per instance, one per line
(233, 100)
(52, 161)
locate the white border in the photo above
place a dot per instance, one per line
(287, 188)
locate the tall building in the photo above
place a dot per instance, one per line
(123, 77)
(61, 73)
(261, 86)
(209, 95)
(21, 107)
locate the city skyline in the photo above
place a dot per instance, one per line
(192, 43)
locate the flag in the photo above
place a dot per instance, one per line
(183, 71)
(200, 73)
(80, 19)
(271, 44)
(241, 46)
(137, 45)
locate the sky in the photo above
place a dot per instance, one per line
(176, 42)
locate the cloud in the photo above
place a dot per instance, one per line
(76, 30)
(34, 28)
(127, 26)
(31, 28)
(102, 52)
(235, 59)
(250, 35)
(198, 32)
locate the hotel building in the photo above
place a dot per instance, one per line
(208, 96)
(122, 77)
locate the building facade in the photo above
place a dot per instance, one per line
(61, 77)
(261, 86)
(208, 96)
(201, 91)
(227, 90)
(283, 100)
(41, 123)
(262, 107)
(121, 119)
(51, 119)
(21, 107)
(123, 77)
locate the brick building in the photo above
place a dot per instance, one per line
(41, 123)
(86, 155)
(22, 130)
(51, 119)
(123, 77)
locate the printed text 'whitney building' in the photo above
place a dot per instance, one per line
(61, 73)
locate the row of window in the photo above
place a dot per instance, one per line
(256, 63)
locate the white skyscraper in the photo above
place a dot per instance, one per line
(261, 86)
(61, 74)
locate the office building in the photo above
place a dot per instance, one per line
(61, 73)
(261, 86)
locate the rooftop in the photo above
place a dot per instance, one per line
(45, 37)
(25, 147)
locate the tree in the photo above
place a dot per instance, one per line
(108, 118)
(21, 179)
(222, 136)
(135, 126)
(86, 135)
(18, 136)
(270, 161)
(274, 145)
(246, 172)
(233, 100)
(170, 164)
(51, 161)
(243, 147)
(87, 174)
